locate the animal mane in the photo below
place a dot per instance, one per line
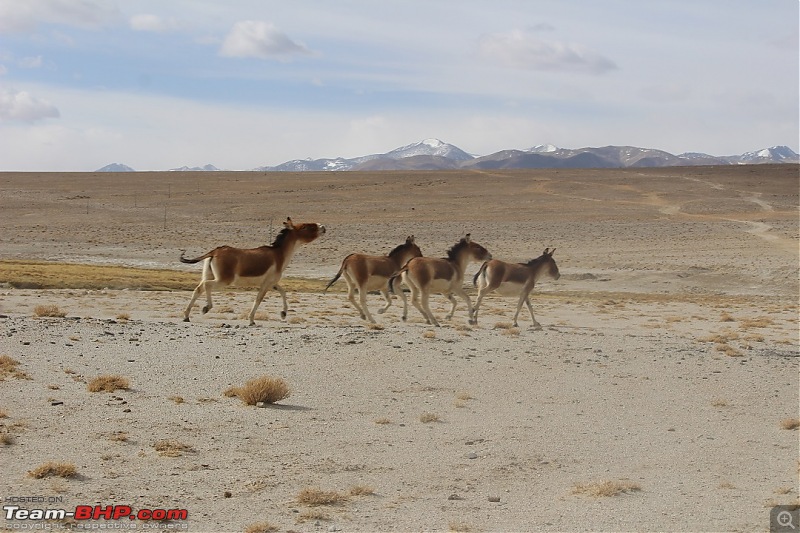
(397, 248)
(452, 253)
(533, 261)
(280, 238)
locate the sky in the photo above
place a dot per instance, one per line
(239, 84)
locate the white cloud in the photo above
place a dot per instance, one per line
(523, 49)
(154, 23)
(24, 107)
(262, 40)
(21, 16)
(31, 62)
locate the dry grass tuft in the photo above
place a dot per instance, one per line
(53, 469)
(503, 325)
(375, 327)
(8, 367)
(429, 334)
(729, 350)
(264, 389)
(118, 436)
(108, 384)
(427, 418)
(314, 497)
(123, 317)
(790, 423)
(760, 322)
(383, 421)
(511, 331)
(261, 527)
(361, 490)
(6, 439)
(49, 311)
(726, 317)
(719, 402)
(604, 489)
(171, 448)
(459, 527)
(177, 399)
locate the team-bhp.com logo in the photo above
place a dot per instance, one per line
(97, 512)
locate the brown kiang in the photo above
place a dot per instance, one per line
(263, 266)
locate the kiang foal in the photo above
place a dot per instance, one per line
(262, 266)
(425, 275)
(373, 272)
(514, 279)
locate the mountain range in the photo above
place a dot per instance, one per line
(433, 154)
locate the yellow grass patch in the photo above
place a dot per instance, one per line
(52, 311)
(54, 469)
(264, 389)
(790, 423)
(55, 275)
(8, 368)
(604, 489)
(261, 527)
(108, 384)
(171, 448)
(314, 496)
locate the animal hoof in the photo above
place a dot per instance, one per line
(405, 318)
(206, 309)
(381, 311)
(283, 314)
(186, 319)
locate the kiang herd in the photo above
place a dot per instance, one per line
(264, 266)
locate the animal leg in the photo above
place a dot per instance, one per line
(351, 295)
(259, 297)
(362, 296)
(197, 292)
(402, 294)
(470, 311)
(454, 303)
(481, 294)
(283, 297)
(530, 308)
(385, 293)
(426, 310)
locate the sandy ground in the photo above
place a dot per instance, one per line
(667, 362)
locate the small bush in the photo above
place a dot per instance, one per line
(51, 468)
(790, 423)
(8, 367)
(108, 384)
(261, 527)
(48, 311)
(427, 418)
(315, 497)
(171, 448)
(263, 389)
(603, 489)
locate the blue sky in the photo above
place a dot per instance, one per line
(243, 83)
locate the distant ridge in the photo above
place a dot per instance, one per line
(434, 154)
(115, 167)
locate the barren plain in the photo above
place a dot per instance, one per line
(661, 393)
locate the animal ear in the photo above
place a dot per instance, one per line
(410, 239)
(467, 237)
(288, 223)
(551, 252)
(546, 251)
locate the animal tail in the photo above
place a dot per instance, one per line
(195, 260)
(478, 274)
(338, 274)
(397, 275)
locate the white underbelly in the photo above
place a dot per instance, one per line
(509, 288)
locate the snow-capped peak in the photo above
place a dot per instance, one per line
(543, 148)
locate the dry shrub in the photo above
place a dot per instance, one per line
(261, 527)
(108, 384)
(8, 367)
(177, 399)
(503, 325)
(375, 327)
(459, 527)
(603, 489)
(171, 448)
(427, 418)
(313, 496)
(511, 331)
(52, 468)
(383, 421)
(361, 490)
(118, 436)
(430, 334)
(6, 439)
(123, 317)
(760, 322)
(719, 402)
(790, 423)
(726, 317)
(262, 389)
(48, 311)
(728, 350)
